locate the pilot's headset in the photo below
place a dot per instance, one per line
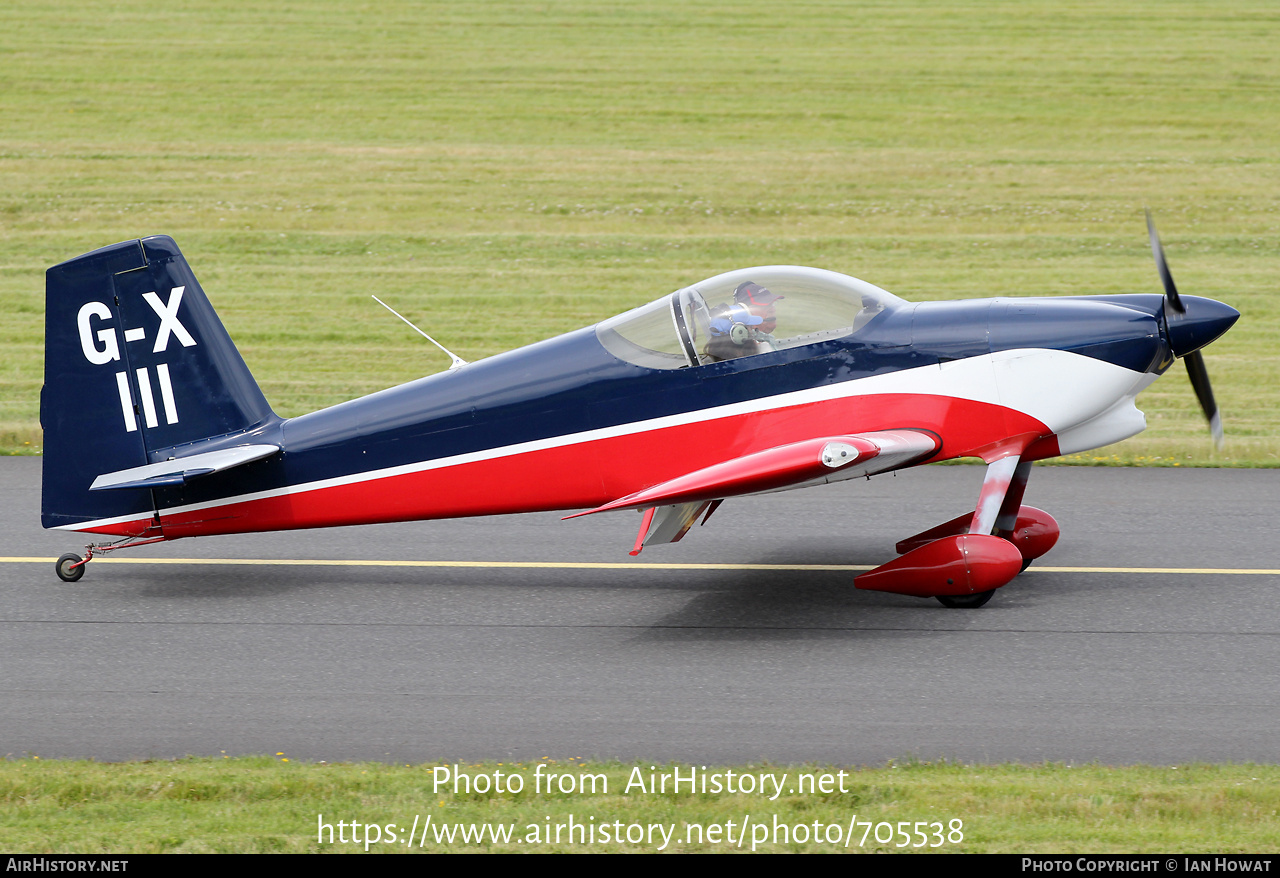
(734, 321)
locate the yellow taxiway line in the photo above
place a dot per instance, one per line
(606, 565)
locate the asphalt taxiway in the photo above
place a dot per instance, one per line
(1150, 634)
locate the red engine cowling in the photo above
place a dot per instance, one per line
(952, 566)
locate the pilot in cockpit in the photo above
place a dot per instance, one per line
(746, 325)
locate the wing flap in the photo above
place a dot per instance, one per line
(667, 524)
(182, 469)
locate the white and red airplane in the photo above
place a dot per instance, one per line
(760, 379)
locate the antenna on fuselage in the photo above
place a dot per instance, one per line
(457, 360)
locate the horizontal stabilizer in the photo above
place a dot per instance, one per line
(182, 469)
(809, 462)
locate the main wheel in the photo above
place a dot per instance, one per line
(68, 573)
(967, 601)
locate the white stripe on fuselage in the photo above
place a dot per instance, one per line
(1057, 388)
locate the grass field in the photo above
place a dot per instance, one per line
(504, 171)
(269, 804)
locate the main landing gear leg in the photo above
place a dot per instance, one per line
(1000, 513)
(1033, 531)
(1006, 476)
(961, 562)
(1004, 483)
(1007, 518)
(70, 567)
(996, 488)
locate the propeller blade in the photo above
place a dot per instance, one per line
(1190, 332)
(1204, 392)
(1172, 300)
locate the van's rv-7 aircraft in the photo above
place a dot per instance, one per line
(760, 379)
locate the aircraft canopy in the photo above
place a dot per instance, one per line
(742, 313)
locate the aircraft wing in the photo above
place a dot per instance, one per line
(182, 469)
(672, 506)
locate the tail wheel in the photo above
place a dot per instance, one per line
(70, 567)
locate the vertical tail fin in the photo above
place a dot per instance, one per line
(137, 365)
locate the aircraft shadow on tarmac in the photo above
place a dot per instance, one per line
(759, 605)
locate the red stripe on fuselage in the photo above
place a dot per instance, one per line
(595, 471)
